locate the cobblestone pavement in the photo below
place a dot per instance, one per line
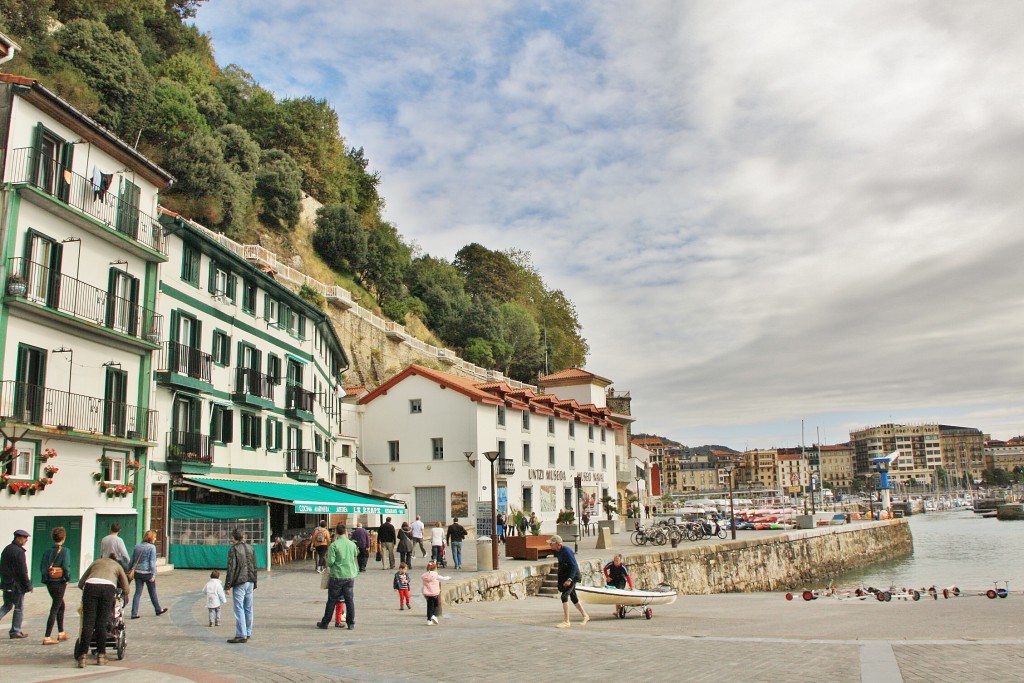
(748, 637)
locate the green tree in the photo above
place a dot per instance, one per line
(487, 273)
(367, 200)
(387, 259)
(520, 354)
(440, 286)
(111, 65)
(478, 352)
(25, 20)
(174, 116)
(279, 189)
(339, 238)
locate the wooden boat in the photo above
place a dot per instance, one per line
(607, 595)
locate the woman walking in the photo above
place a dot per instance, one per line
(405, 545)
(54, 568)
(437, 542)
(144, 562)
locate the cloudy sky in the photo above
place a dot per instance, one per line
(765, 212)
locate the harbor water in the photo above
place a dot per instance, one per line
(956, 547)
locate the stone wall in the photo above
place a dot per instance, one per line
(793, 559)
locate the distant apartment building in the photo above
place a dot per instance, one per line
(1004, 455)
(837, 467)
(758, 470)
(922, 449)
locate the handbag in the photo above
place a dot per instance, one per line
(56, 572)
(131, 572)
(379, 557)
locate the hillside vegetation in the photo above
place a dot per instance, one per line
(242, 160)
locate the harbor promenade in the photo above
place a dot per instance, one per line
(734, 637)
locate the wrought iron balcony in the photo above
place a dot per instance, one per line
(252, 382)
(299, 400)
(189, 447)
(47, 407)
(506, 466)
(183, 361)
(63, 184)
(66, 294)
(301, 460)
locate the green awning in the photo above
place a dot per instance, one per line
(307, 498)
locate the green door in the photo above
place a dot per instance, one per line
(41, 541)
(129, 531)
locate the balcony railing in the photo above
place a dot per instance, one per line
(255, 383)
(48, 175)
(63, 293)
(184, 360)
(506, 466)
(47, 407)
(301, 460)
(189, 447)
(300, 399)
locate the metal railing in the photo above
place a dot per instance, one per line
(47, 407)
(184, 360)
(506, 466)
(66, 294)
(50, 176)
(301, 460)
(253, 382)
(185, 446)
(300, 399)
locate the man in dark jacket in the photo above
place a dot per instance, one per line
(456, 534)
(240, 581)
(386, 538)
(14, 581)
(568, 576)
(362, 540)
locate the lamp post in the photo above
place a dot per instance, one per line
(729, 468)
(492, 456)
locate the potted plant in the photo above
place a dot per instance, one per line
(608, 503)
(566, 524)
(16, 285)
(97, 476)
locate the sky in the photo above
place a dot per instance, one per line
(777, 220)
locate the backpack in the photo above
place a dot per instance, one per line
(396, 584)
(318, 536)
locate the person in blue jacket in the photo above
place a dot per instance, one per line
(55, 570)
(568, 577)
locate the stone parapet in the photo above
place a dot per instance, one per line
(788, 560)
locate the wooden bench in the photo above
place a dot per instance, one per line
(528, 547)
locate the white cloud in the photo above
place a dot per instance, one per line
(763, 211)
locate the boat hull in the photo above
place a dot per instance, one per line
(606, 595)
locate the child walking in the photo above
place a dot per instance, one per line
(401, 584)
(431, 590)
(215, 597)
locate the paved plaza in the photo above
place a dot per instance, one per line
(733, 637)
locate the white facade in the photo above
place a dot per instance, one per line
(248, 379)
(418, 428)
(80, 258)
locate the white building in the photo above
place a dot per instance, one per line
(424, 433)
(81, 250)
(249, 393)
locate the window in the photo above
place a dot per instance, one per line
(526, 420)
(274, 430)
(590, 432)
(501, 449)
(221, 348)
(249, 297)
(591, 459)
(122, 301)
(221, 422)
(218, 284)
(274, 368)
(501, 416)
(115, 406)
(302, 326)
(112, 464)
(551, 456)
(567, 499)
(190, 265)
(437, 448)
(415, 406)
(393, 451)
(346, 450)
(269, 309)
(551, 425)
(602, 435)
(527, 499)
(526, 454)
(572, 429)
(604, 461)
(572, 459)
(21, 465)
(250, 430)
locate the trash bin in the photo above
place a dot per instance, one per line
(484, 558)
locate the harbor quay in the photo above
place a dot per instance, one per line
(709, 637)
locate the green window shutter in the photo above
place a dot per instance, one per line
(66, 157)
(278, 427)
(229, 424)
(212, 286)
(232, 283)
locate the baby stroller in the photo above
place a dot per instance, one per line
(441, 562)
(117, 639)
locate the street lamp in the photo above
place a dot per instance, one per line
(729, 467)
(492, 456)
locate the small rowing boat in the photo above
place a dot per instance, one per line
(608, 595)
